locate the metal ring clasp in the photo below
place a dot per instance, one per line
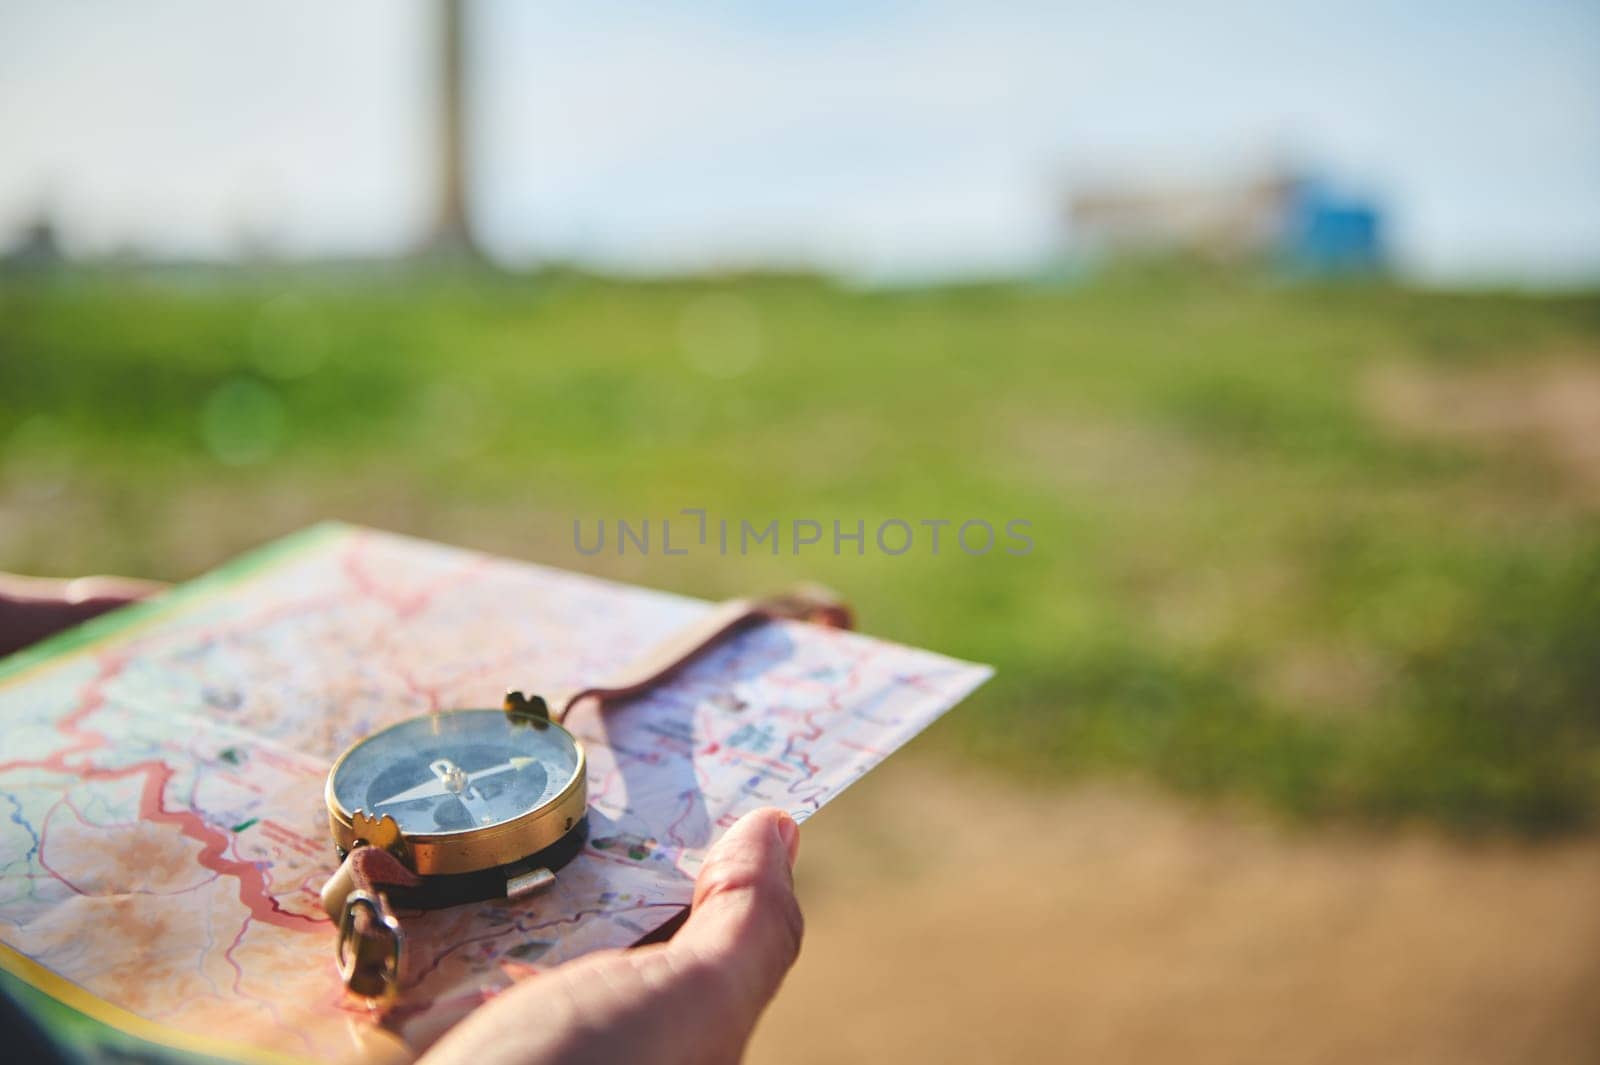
(369, 961)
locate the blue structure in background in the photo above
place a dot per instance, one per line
(1325, 233)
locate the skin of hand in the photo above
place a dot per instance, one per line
(32, 608)
(693, 999)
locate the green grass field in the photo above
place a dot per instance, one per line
(1332, 547)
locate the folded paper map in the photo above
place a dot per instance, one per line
(162, 829)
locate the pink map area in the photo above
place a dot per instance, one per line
(162, 830)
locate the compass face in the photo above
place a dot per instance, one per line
(457, 771)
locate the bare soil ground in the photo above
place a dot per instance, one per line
(955, 916)
(1549, 408)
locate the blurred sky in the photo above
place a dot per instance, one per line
(875, 138)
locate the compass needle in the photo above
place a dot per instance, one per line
(433, 789)
(514, 762)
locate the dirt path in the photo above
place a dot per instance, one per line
(954, 917)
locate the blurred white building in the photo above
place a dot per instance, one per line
(1286, 219)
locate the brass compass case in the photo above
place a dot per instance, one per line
(467, 849)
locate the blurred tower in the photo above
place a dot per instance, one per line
(452, 224)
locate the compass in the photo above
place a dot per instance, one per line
(475, 804)
(467, 790)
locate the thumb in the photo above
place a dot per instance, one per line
(745, 919)
(695, 998)
(32, 608)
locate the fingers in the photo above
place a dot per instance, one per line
(76, 590)
(32, 608)
(745, 921)
(120, 589)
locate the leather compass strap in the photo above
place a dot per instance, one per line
(811, 603)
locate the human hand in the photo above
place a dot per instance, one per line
(32, 608)
(693, 999)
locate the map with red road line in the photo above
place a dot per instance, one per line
(162, 829)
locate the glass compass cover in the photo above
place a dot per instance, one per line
(456, 771)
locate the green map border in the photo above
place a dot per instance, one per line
(236, 569)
